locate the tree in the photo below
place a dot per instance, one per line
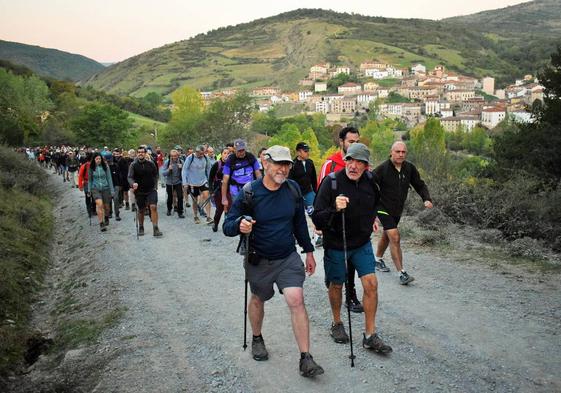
(288, 136)
(187, 111)
(102, 124)
(309, 136)
(381, 136)
(428, 146)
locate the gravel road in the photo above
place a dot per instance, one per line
(460, 327)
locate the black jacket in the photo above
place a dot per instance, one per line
(145, 173)
(304, 173)
(394, 186)
(116, 174)
(360, 213)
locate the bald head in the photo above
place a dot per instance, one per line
(398, 153)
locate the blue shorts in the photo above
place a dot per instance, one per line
(362, 259)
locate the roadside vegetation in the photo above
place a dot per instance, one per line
(25, 236)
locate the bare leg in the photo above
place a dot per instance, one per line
(336, 300)
(395, 248)
(382, 245)
(300, 325)
(256, 312)
(99, 210)
(154, 215)
(370, 302)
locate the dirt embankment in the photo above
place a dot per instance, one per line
(166, 315)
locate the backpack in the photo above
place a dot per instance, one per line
(232, 159)
(369, 175)
(247, 203)
(192, 156)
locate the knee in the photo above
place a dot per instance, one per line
(370, 288)
(394, 236)
(295, 301)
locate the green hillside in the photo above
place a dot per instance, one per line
(49, 62)
(279, 51)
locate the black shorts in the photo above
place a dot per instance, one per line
(195, 191)
(143, 198)
(388, 222)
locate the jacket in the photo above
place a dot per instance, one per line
(359, 215)
(332, 164)
(303, 172)
(394, 186)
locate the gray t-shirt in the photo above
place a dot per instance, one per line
(196, 170)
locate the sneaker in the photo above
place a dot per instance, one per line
(133, 207)
(405, 278)
(355, 305)
(258, 349)
(169, 213)
(381, 266)
(209, 221)
(338, 333)
(215, 227)
(308, 367)
(375, 343)
(197, 220)
(127, 206)
(180, 215)
(102, 227)
(140, 231)
(117, 217)
(157, 232)
(187, 204)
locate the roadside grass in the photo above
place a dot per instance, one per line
(25, 234)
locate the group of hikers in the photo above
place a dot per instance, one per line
(269, 199)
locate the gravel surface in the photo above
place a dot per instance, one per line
(460, 327)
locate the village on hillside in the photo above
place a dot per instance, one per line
(409, 94)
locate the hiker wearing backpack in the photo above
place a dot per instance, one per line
(83, 184)
(172, 172)
(240, 168)
(277, 219)
(143, 179)
(73, 166)
(394, 177)
(335, 163)
(215, 185)
(100, 186)
(194, 175)
(350, 195)
(118, 182)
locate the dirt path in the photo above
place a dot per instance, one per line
(460, 327)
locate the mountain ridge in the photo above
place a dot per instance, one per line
(49, 62)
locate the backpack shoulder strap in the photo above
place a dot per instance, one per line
(333, 165)
(333, 181)
(247, 204)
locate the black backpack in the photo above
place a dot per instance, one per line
(247, 189)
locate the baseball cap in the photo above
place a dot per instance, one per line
(303, 146)
(239, 144)
(278, 154)
(358, 151)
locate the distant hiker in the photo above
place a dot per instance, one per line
(210, 154)
(100, 186)
(194, 175)
(171, 170)
(261, 157)
(160, 163)
(118, 182)
(215, 185)
(347, 136)
(73, 166)
(143, 179)
(131, 198)
(240, 168)
(278, 219)
(394, 177)
(354, 191)
(83, 184)
(303, 172)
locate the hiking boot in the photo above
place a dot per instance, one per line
(127, 206)
(140, 231)
(106, 220)
(197, 220)
(102, 227)
(375, 343)
(133, 207)
(355, 305)
(169, 213)
(215, 227)
(338, 333)
(117, 217)
(381, 266)
(258, 349)
(308, 367)
(209, 221)
(405, 278)
(180, 215)
(187, 204)
(157, 232)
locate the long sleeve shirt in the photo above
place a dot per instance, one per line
(279, 220)
(100, 179)
(196, 170)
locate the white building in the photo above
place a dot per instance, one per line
(349, 88)
(304, 95)
(322, 106)
(376, 74)
(490, 117)
(521, 117)
(342, 70)
(418, 69)
(488, 85)
(320, 86)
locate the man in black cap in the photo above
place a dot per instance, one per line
(303, 172)
(354, 192)
(278, 219)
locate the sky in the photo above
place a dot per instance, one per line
(113, 30)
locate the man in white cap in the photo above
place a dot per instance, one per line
(277, 218)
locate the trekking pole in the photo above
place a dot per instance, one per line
(245, 262)
(136, 222)
(347, 294)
